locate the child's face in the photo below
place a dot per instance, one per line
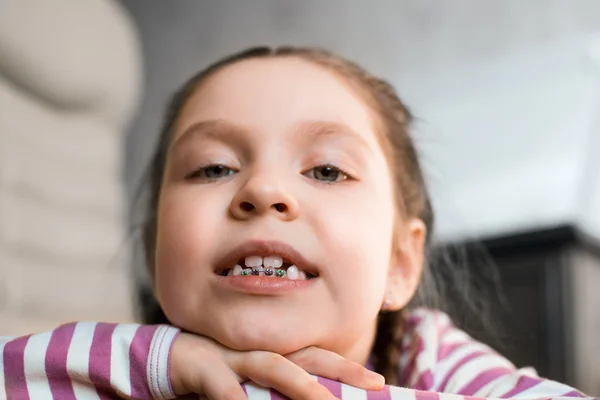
(270, 122)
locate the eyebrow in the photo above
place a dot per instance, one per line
(217, 129)
(312, 131)
(306, 132)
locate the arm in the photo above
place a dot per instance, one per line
(346, 392)
(83, 360)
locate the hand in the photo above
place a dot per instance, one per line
(202, 366)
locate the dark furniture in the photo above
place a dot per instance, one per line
(534, 270)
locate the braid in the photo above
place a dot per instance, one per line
(387, 348)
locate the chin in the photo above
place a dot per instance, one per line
(250, 331)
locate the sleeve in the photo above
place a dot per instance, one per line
(443, 359)
(88, 360)
(345, 392)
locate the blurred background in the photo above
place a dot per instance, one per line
(507, 95)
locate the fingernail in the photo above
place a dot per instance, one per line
(376, 379)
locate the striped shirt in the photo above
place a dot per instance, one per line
(89, 360)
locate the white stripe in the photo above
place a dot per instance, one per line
(78, 360)
(119, 358)
(34, 359)
(499, 386)
(443, 367)
(163, 379)
(85, 391)
(489, 387)
(157, 366)
(2, 387)
(256, 392)
(353, 393)
(427, 358)
(467, 372)
(545, 388)
(399, 393)
(455, 336)
(450, 396)
(152, 361)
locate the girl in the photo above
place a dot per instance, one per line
(286, 235)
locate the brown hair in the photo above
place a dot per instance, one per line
(394, 121)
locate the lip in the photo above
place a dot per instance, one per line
(266, 248)
(260, 285)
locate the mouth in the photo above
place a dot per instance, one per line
(274, 260)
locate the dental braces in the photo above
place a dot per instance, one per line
(280, 273)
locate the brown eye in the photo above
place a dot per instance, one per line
(213, 172)
(327, 173)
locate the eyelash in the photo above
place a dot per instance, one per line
(196, 173)
(347, 176)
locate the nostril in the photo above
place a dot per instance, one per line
(280, 207)
(247, 206)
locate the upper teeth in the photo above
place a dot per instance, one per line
(275, 262)
(268, 262)
(272, 262)
(253, 261)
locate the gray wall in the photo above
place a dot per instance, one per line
(397, 39)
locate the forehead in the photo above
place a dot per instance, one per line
(271, 95)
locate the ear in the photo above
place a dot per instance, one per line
(407, 264)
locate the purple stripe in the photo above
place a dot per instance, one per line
(138, 362)
(383, 394)
(524, 383)
(421, 395)
(447, 349)
(413, 320)
(334, 387)
(14, 369)
(56, 362)
(425, 381)
(275, 395)
(483, 379)
(459, 364)
(574, 393)
(100, 353)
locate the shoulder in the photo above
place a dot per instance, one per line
(431, 334)
(438, 356)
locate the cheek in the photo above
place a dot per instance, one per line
(185, 223)
(186, 231)
(356, 234)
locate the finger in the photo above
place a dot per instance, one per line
(217, 381)
(274, 371)
(331, 365)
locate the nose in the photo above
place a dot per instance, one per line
(264, 195)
